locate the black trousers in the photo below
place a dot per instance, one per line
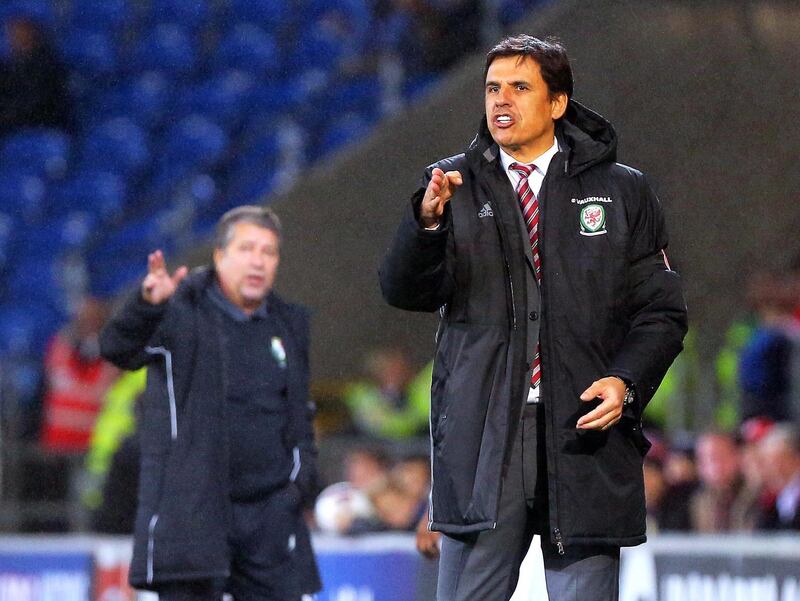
(485, 566)
(264, 564)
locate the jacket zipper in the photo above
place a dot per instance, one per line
(173, 411)
(151, 544)
(557, 538)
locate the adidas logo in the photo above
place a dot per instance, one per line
(486, 211)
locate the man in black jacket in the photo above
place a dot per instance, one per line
(227, 447)
(556, 329)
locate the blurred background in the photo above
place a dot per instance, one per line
(131, 125)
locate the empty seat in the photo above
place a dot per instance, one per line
(90, 53)
(41, 152)
(349, 128)
(266, 13)
(224, 99)
(99, 193)
(196, 141)
(99, 15)
(21, 196)
(247, 47)
(118, 145)
(168, 48)
(189, 13)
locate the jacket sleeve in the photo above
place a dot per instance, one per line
(307, 478)
(656, 307)
(130, 330)
(417, 271)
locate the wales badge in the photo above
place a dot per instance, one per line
(593, 220)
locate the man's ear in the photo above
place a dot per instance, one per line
(558, 105)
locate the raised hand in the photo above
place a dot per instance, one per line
(158, 285)
(440, 190)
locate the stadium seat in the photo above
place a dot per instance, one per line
(193, 14)
(120, 258)
(119, 145)
(38, 279)
(168, 48)
(143, 98)
(21, 196)
(266, 13)
(361, 95)
(99, 15)
(247, 47)
(195, 141)
(26, 328)
(90, 53)
(99, 193)
(318, 47)
(41, 152)
(38, 10)
(349, 128)
(224, 99)
(55, 237)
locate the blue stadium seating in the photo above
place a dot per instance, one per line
(167, 47)
(144, 99)
(247, 47)
(40, 152)
(193, 14)
(22, 196)
(350, 127)
(119, 146)
(99, 15)
(92, 53)
(271, 15)
(99, 193)
(223, 99)
(26, 328)
(185, 109)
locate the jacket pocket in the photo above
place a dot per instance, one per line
(463, 402)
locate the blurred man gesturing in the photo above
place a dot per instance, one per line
(228, 454)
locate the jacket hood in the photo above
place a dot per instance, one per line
(586, 137)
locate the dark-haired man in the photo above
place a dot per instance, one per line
(228, 455)
(559, 317)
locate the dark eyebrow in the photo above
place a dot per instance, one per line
(513, 83)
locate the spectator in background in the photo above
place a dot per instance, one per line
(390, 403)
(768, 380)
(345, 507)
(33, 82)
(722, 503)
(667, 490)
(396, 507)
(780, 464)
(76, 381)
(112, 463)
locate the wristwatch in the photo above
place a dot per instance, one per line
(630, 395)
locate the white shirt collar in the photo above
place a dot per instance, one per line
(542, 162)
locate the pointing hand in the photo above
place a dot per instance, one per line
(440, 189)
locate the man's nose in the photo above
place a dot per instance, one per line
(500, 99)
